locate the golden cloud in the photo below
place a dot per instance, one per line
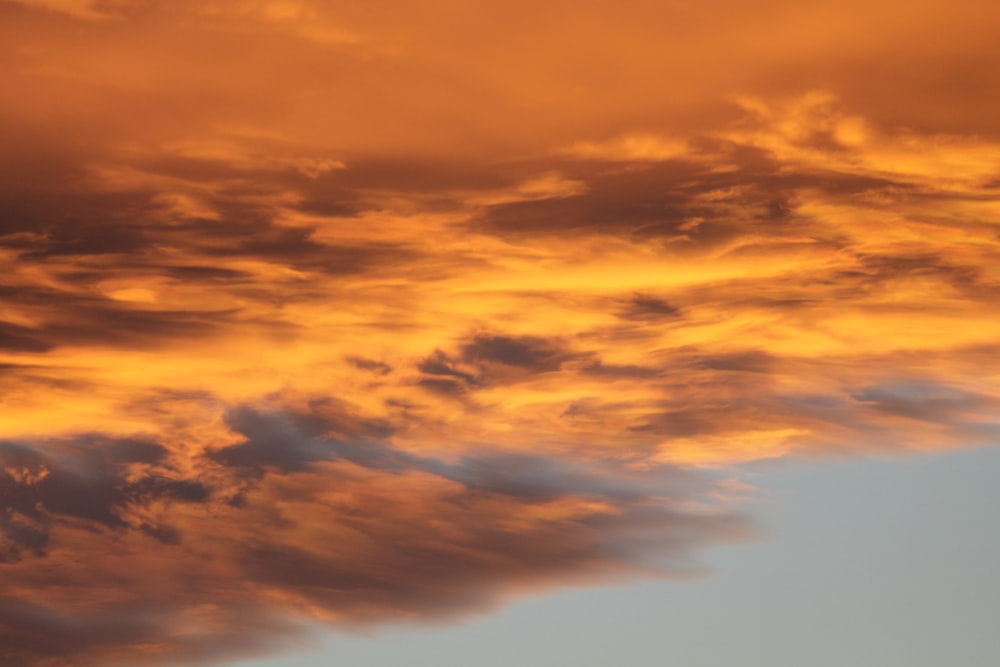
(358, 316)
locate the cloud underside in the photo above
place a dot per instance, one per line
(461, 329)
(117, 552)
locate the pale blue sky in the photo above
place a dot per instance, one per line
(866, 563)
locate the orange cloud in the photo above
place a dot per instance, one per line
(354, 314)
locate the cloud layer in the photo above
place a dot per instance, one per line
(350, 315)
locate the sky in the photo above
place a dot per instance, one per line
(372, 328)
(868, 563)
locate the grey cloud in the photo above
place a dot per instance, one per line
(72, 317)
(922, 400)
(707, 199)
(21, 339)
(484, 360)
(648, 307)
(545, 478)
(622, 371)
(33, 634)
(87, 478)
(332, 515)
(746, 361)
(375, 366)
(528, 352)
(293, 442)
(439, 364)
(443, 386)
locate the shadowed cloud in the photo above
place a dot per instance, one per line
(333, 518)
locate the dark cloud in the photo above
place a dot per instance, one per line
(33, 634)
(135, 327)
(619, 371)
(422, 174)
(81, 318)
(746, 361)
(708, 199)
(296, 442)
(532, 353)
(197, 273)
(540, 478)
(616, 202)
(334, 515)
(439, 364)
(922, 400)
(377, 367)
(455, 539)
(685, 423)
(647, 307)
(485, 360)
(68, 212)
(21, 339)
(90, 478)
(873, 271)
(443, 386)
(65, 221)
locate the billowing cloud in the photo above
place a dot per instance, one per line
(315, 312)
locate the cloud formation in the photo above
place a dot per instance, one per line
(315, 313)
(129, 556)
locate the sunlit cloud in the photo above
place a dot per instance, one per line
(315, 315)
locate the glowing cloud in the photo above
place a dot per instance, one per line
(317, 315)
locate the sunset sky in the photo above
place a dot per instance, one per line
(495, 333)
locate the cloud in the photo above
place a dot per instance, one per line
(273, 442)
(646, 307)
(23, 339)
(92, 480)
(310, 534)
(356, 314)
(85, 9)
